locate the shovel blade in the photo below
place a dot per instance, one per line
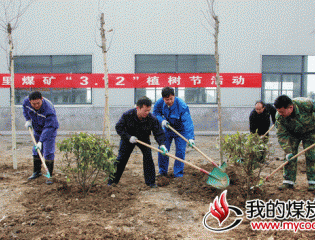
(47, 175)
(223, 167)
(261, 182)
(218, 179)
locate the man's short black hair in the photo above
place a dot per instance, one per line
(167, 91)
(35, 95)
(283, 101)
(144, 101)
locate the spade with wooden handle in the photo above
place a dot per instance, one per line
(40, 154)
(216, 178)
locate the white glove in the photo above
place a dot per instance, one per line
(165, 124)
(191, 142)
(289, 156)
(133, 139)
(38, 146)
(163, 148)
(28, 124)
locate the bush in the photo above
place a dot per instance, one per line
(249, 151)
(85, 157)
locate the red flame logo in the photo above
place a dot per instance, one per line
(220, 212)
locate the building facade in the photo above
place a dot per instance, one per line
(271, 38)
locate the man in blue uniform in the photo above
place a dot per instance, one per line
(40, 115)
(138, 123)
(173, 111)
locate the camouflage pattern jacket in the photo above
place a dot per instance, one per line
(299, 125)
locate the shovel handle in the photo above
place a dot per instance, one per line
(173, 156)
(216, 165)
(38, 151)
(295, 156)
(268, 131)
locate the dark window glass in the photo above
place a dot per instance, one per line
(286, 74)
(55, 64)
(151, 63)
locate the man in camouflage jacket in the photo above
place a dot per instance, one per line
(295, 123)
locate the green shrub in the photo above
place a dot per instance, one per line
(249, 151)
(85, 157)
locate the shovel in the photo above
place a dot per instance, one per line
(261, 182)
(221, 168)
(40, 154)
(216, 178)
(268, 131)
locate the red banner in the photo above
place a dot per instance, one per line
(137, 80)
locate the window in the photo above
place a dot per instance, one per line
(292, 75)
(55, 64)
(309, 78)
(164, 63)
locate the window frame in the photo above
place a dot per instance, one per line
(175, 58)
(302, 72)
(52, 69)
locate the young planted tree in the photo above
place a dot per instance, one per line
(106, 127)
(85, 157)
(11, 12)
(250, 152)
(213, 20)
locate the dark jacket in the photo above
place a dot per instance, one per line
(262, 121)
(130, 125)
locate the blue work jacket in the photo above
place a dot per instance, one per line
(178, 115)
(44, 120)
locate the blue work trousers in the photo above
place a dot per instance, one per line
(180, 152)
(48, 147)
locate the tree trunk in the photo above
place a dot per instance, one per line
(216, 37)
(106, 127)
(13, 132)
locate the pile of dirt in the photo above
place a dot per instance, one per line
(64, 204)
(132, 210)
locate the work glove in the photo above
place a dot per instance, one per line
(165, 124)
(191, 143)
(28, 124)
(288, 157)
(133, 139)
(163, 148)
(38, 146)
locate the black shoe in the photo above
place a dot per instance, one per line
(153, 186)
(35, 175)
(50, 166)
(111, 183)
(162, 175)
(286, 186)
(37, 165)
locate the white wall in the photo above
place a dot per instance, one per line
(117, 97)
(248, 29)
(5, 97)
(245, 97)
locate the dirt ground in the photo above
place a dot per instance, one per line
(131, 210)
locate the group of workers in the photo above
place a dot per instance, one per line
(295, 123)
(294, 120)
